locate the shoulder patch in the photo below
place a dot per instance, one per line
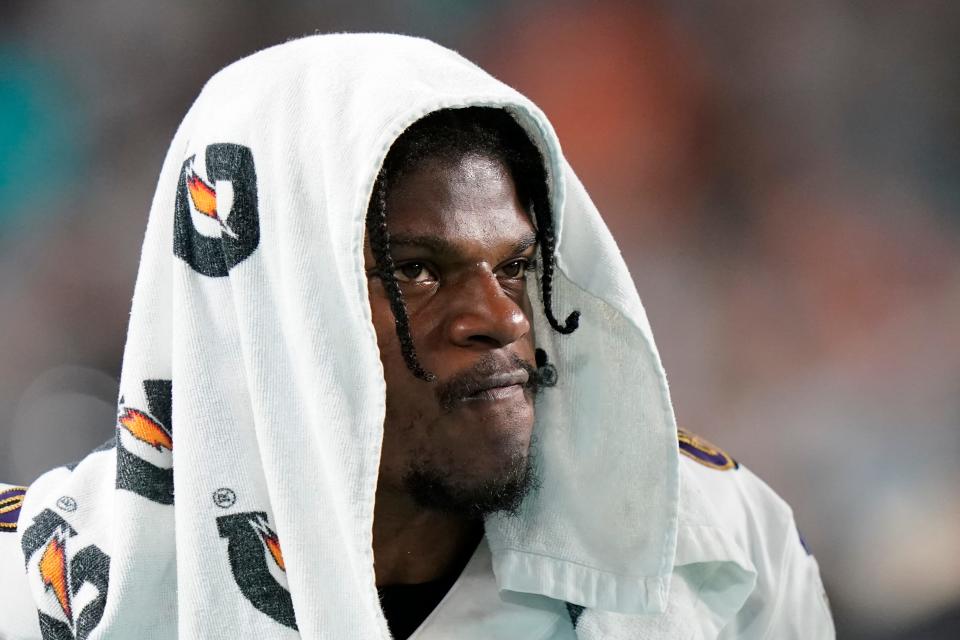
(696, 448)
(11, 500)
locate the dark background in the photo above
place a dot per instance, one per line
(781, 177)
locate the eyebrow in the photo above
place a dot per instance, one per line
(440, 246)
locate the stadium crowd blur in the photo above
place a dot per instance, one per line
(781, 177)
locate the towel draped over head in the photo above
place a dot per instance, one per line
(237, 498)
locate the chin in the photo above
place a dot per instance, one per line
(473, 485)
(489, 433)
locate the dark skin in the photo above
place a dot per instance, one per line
(462, 243)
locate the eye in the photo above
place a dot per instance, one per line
(413, 272)
(516, 269)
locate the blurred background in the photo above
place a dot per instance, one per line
(781, 177)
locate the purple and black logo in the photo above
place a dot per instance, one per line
(698, 449)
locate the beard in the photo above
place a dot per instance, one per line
(439, 480)
(433, 486)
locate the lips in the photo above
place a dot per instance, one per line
(496, 387)
(490, 379)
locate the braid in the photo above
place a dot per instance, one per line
(380, 244)
(450, 134)
(547, 239)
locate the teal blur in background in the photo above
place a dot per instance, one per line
(781, 178)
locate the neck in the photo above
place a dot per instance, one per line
(413, 545)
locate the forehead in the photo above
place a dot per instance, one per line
(471, 200)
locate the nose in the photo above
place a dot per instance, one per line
(484, 315)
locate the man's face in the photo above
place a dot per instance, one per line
(462, 243)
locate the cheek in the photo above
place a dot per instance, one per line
(397, 421)
(526, 345)
(382, 317)
(406, 395)
(385, 328)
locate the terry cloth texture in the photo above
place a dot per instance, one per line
(237, 498)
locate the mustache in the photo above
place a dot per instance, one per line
(489, 372)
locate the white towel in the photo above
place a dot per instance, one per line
(252, 394)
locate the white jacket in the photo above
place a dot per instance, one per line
(771, 590)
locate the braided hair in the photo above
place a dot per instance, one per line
(450, 134)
